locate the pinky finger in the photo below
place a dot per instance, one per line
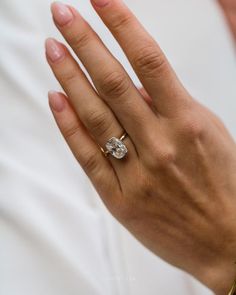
(85, 150)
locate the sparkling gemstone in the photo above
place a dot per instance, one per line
(116, 148)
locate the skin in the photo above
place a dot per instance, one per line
(175, 191)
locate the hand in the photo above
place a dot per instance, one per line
(175, 190)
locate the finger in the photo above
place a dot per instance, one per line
(109, 77)
(85, 150)
(146, 57)
(92, 111)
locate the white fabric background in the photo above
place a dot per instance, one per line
(56, 238)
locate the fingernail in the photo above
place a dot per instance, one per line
(54, 50)
(101, 3)
(61, 13)
(56, 101)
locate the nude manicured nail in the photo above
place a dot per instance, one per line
(61, 13)
(101, 3)
(54, 50)
(56, 101)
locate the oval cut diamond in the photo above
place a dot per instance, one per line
(116, 148)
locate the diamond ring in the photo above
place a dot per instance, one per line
(116, 147)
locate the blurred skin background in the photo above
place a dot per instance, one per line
(56, 237)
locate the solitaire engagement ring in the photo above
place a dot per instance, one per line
(116, 147)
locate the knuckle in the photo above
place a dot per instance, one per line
(80, 40)
(166, 158)
(192, 128)
(162, 158)
(68, 77)
(99, 122)
(120, 22)
(90, 163)
(114, 85)
(149, 60)
(70, 131)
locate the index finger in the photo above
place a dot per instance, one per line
(144, 54)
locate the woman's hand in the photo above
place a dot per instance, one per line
(176, 188)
